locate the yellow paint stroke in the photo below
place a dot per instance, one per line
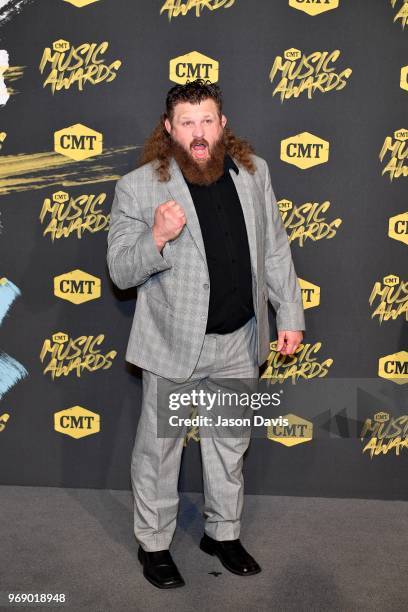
(13, 73)
(28, 171)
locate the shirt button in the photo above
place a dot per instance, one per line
(206, 286)
(226, 234)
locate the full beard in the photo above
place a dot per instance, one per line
(200, 173)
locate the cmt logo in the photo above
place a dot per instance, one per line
(292, 54)
(299, 430)
(60, 197)
(78, 142)
(401, 134)
(77, 422)
(394, 367)
(81, 3)
(314, 7)
(381, 417)
(285, 205)
(77, 287)
(304, 150)
(391, 280)
(310, 294)
(398, 227)
(404, 78)
(193, 66)
(60, 337)
(61, 45)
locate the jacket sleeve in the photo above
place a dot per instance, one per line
(283, 286)
(132, 254)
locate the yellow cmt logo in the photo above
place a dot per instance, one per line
(60, 337)
(77, 287)
(404, 78)
(60, 196)
(78, 142)
(310, 294)
(297, 431)
(77, 422)
(193, 66)
(304, 150)
(401, 134)
(314, 7)
(285, 205)
(81, 3)
(292, 54)
(381, 417)
(398, 227)
(60, 45)
(394, 367)
(391, 280)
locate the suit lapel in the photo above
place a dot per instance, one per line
(243, 187)
(179, 191)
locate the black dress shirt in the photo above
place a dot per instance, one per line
(227, 250)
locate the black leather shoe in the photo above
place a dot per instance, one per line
(232, 555)
(160, 569)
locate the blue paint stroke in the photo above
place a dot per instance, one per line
(8, 293)
(11, 371)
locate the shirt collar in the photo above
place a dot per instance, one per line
(230, 164)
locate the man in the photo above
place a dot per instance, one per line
(196, 228)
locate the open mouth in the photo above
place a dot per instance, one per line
(199, 150)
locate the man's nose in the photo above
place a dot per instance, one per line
(198, 131)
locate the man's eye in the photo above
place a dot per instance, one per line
(209, 120)
(187, 123)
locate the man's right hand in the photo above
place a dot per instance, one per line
(169, 220)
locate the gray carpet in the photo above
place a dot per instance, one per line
(316, 554)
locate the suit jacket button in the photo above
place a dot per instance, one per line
(206, 286)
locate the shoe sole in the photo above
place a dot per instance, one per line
(211, 552)
(157, 584)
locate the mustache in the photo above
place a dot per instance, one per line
(199, 141)
(193, 171)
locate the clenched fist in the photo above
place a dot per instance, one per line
(169, 220)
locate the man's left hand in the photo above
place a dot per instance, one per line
(288, 341)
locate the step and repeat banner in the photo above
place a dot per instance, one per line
(320, 89)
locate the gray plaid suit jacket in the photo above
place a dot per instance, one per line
(173, 288)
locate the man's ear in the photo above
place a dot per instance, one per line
(167, 125)
(223, 120)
